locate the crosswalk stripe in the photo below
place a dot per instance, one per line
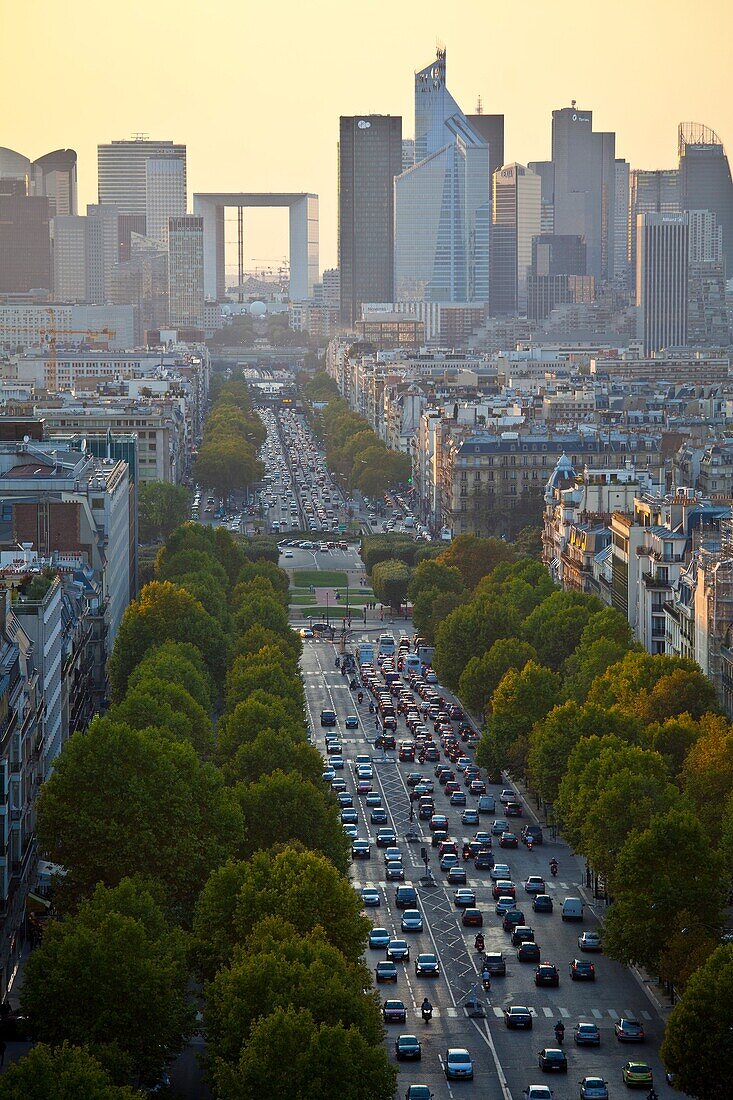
(498, 1012)
(452, 1012)
(548, 1012)
(597, 1013)
(534, 1012)
(564, 1012)
(613, 1014)
(646, 1015)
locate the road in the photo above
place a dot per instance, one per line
(506, 1061)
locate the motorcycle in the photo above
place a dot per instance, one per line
(371, 708)
(559, 1034)
(553, 868)
(427, 1012)
(486, 980)
(353, 685)
(530, 844)
(360, 697)
(478, 943)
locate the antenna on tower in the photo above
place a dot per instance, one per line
(479, 106)
(140, 137)
(573, 102)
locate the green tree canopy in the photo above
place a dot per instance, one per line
(257, 713)
(433, 606)
(469, 631)
(256, 637)
(122, 802)
(93, 972)
(160, 508)
(273, 751)
(173, 566)
(432, 574)
(654, 687)
(63, 1072)
(707, 774)
(176, 663)
(264, 671)
(165, 706)
(277, 577)
(520, 699)
(390, 580)
(481, 676)
(474, 557)
(555, 627)
(261, 610)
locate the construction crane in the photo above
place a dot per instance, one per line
(51, 335)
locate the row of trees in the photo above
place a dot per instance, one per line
(233, 434)
(195, 849)
(353, 449)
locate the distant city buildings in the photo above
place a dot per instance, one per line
(186, 271)
(123, 175)
(663, 257)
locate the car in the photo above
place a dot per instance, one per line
(411, 921)
(483, 838)
(418, 1092)
(438, 821)
(495, 962)
(500, 825)
(637, 1075)
(426, 965)
(394, 1012)
(394, 871)
(522, 933)
(458, 1064)
(361, 849)
(528, 952)
(405, 897)
(581, 970)
(370, 897)
(518, 1016)
(329, 775)
(349, 817)
(507, 795)
(593, 1088)
(398, 951)
(503, 888)
(629, 1030)
(345, 800)
(500, 870)
(535, 884)
(352, 722)
(534, 832)
(373, 799)
(586, 1035)
(378, 815)
(364, 786)
(337, 763)
(504, 904)
(385, 971)
(407, 1048)
(386, 837)
(508, 840)
(512, 919)
(470, 817)
(542, 903)
(351, 831)
(547, 974)
(464, 898)
(456, 875)
(590, 941)
(484, 860)
(392, 855)
(328, 718)
(538, 1092)
(379, 937)
(472, 918)
(458, 798)
(448, 860)
(513, 809)
(338, 785)
(553, 1060)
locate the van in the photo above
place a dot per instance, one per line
(572, 909)
(486, 804)
(411, 663)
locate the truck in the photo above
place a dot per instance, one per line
(366, 654)
(426, 653)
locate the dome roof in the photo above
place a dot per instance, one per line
(562, 477)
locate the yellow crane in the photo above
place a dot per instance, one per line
(52, 334)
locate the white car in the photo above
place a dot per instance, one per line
(500, 871)
(538, 1092)
(590, 941)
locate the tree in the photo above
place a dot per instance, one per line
(431, 574)
(122, 802)
(164, 612)
(390, 580)
(272, 572)
(674, 738)
(430, 609)
(284, 807)
(475, 557)
(259, 712)
(587, 663)
(173, 566)
(264, 671)
(469, 631)
(95, 971)
(160, 508)
(707, 774)
(256, 637)
(654, 687)
(176, 663)
(279, 967)
(63, 1072)
(555, 627)
(261, 610)
(649, 891)
(528, 542)
(291, 884)
(698, 1041)
(165, 706)
(226, 463)
(273, 751)
(481, 676)
(520, 699)
(288, 1055)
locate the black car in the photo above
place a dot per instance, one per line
(407, 1047)
(546, 974)
(484, 860)
(328, 717)
(533, 831)
(553, 1060)
(495, 962)
(517, 1016)
(542, 903)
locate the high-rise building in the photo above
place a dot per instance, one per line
(370, 156)
(545, 169)
(186, 271)
(165, 194)
(650, 192)
(103, 251)
(54, 175)
(331, 282)
(122, 172)
(443, 203)
(14, 166)
(708, 323)
(69, 256)
(620, 223)
(553, 254)
(25, 242)
(585, 186)
(142, 281)
(491, 129)
(705, 179)
(517, 202)
(663, 253)
(408, 153)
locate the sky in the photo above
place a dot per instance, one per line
(255, 90)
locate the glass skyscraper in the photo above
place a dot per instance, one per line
(443, 202)
(705, 179)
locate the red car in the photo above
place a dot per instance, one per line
(472, 918)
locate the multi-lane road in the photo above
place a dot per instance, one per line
(506, 1062)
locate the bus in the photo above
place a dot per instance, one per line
(387, 645)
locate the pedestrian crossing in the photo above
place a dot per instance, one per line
(552, 1013)
(475, 883)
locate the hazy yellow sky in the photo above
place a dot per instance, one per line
(255, 89)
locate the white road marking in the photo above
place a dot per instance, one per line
(597, 1013)
(564, 1012)
(548, 1012)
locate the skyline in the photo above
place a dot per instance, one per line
(292, 87)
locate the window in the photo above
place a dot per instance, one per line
(98, 502)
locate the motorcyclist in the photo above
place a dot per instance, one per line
(360, 697)
(530, 844)
(371, 707)
(559, 1031)
(478, 943)
(426, 1009)
(466, 851)
(553, 866)
(338, 662)
(486, 976)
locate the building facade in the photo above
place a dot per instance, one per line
(186, 271)
(122, 171)
(663, 256)
(165, 194)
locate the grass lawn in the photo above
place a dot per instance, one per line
(304, 598)
(319, 613)
(321, 578)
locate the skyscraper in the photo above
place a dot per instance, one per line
(705, 179)
(491, 129)
(585, 186)
(621, 223)
(650, 192)
(102, 250)
(122, 171)
(517, 203)
(443, 203)
(370, 156)
(69, 257)
(54, 175)
(707, 313)
(25, 243)
(663, 252)
(165, 194)
(186, 271)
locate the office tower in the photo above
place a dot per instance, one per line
(545, 169)
(503, 259)
(25, 243)
(408, 153)
(142, 281)
(548, 292)
(707, 313)
(332, 287)
(69, 257)
(370, 156)
(553, 254)
(663, 251)
(14, 166)
(517, 203)
(129, 225)
(443, 203)
(102, 251)
(705, 179)
(122, 173)
(620, 223)
(585, 186)
(491, 129)
(650, 192)
(165, 194)
(186, 271)
(54, 175)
